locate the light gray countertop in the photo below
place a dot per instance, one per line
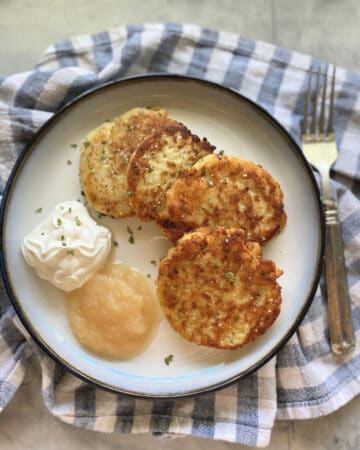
(328, 29)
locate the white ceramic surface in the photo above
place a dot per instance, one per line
(45, 179)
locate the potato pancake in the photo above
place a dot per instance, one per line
(157, 162)
(226, 191)
(105, 155)
(216, 290)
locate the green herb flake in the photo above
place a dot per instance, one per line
(148, 275)
(59, 221)
(230, 277)
(102, 156)
(153, 262)
(150, 169)
(42, 234)
(86, 144)
(115, 243)
(64, 244)
(221, 152)
(63, 238)
(39, 210)
(71, 252)
(126, 160)
(131, 239)
(168, 359)
(73, 145)
(69, 210)
(77, 221)
(69, 162)
(129, 230)
(139, 227)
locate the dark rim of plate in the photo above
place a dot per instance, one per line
(31, 145)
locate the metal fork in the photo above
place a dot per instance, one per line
(320, 149)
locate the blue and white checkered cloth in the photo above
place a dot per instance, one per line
(305, 379)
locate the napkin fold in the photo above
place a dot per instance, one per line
(305, 379)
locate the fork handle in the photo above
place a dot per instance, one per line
(342, 338)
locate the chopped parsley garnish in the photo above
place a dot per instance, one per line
(73, 145)
(115, 243)
(102, 156)
(39, 210)
(150, 169)
(168, 359)
(77, 221)
(221, 152)
(59, 221)
(153, 262)
(69, 162)
(139, 227)
(69, 210)
(86, 144)
(71, 252)
(42, 234)
(129, 230)
(63, 238)
(131, 239)
(230, 277)
(126, 160)
(148, 275)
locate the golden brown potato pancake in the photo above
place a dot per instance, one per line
(216, 290)
(157, 162)
(105, 155)
(225, 191)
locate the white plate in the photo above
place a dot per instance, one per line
(42, 178)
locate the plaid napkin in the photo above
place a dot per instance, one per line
(305, 379)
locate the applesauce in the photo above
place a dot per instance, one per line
(116, 313)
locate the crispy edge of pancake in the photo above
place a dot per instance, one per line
(206, 293)
(148, 198)
(173, 230)
(185, 192)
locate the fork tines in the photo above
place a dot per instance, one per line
(319, 130)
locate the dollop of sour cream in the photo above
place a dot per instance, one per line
(68, 247)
